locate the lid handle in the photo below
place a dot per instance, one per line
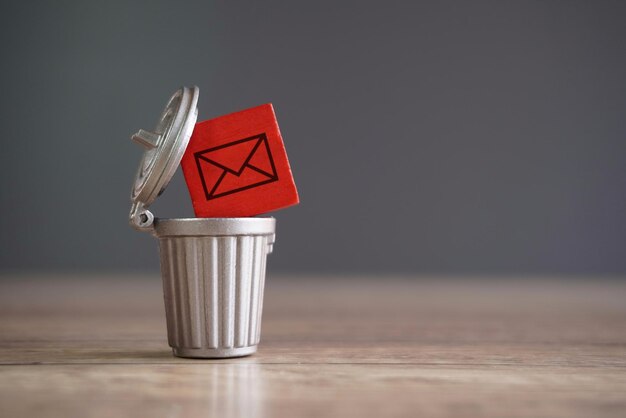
(147, 139)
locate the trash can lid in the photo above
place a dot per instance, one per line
(165, 146)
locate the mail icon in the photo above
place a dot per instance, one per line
(236, 166)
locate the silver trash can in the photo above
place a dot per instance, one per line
(213, 269)
(213, 279)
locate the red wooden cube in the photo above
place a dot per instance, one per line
(236, 165)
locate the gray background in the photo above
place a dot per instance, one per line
(425, 137)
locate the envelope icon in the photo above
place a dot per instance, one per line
(235, 166)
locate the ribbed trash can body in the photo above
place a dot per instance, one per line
(213, 282)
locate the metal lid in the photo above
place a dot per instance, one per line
(164, 148)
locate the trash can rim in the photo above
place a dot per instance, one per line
(164, 227)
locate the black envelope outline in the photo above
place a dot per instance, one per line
(261, 139)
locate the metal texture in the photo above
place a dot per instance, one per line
(213, 279)
(164, 148)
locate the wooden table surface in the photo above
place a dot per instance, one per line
(96, 347)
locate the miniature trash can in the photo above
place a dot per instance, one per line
(213, 269)
(213, 278)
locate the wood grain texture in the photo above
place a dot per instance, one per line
(96, 347)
